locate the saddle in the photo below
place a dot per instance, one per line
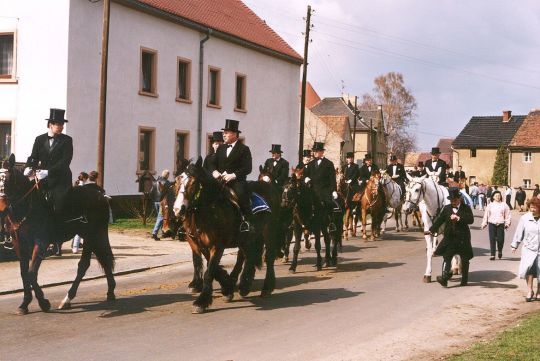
(257, 202)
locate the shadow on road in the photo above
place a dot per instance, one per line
(300, 298)
(362, 266)
(491, 279)
(351, 248)
(401, 236)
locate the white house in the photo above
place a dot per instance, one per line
(50, 56)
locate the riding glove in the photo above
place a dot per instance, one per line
(42, 174)
(334, 194)
(27, 171)
(229, 177)
(216, 174)
(307, 180)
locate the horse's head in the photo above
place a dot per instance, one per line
(413, 193)
(288, 198)
(12, 182)
(264, 175)
(189, 187)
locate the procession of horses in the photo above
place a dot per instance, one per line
(207, 216)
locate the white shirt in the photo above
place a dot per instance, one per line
(508, 191)
(230, 147)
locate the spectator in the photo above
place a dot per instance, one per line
(536, 191)
(489, 193)
(81, 179)
(482, 190)
(473, 192)
(508, 196)
(161, 183)
(498, 217)
(528, 232)
(520, 199)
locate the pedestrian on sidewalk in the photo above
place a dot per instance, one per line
(520, 199)
(482, 190)
(508, 196)
(498, 217)
(160, 184)
(536, 191)
(528, 232)
(456, 217)
(473, 192)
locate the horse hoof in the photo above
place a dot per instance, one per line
(285, 260)
(65, 304)
(111, 297)
(292, 270)
(21, 311)
(194, 290)
(364, 237)
(228, 298)
(266, 293)
(197, 310)
(45, 305)
(397, 230)
(427, 279)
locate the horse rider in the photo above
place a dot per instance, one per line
(217, 140)
(277, 167)
(419, 170)
(322, 175)
(233, 164)
(366, 170)
(50, 159)
(396, 171)
(456, 217)
(436, 167)
(459, 175)
(351, 173)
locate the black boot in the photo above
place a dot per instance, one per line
(155, 237)
(464, 273)
(446, 274)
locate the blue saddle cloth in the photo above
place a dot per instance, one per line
(258, 204)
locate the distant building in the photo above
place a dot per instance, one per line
(524, 162)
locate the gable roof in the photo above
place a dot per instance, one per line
(488, 132)
(336, 106)
(527, 134)
(312, 97)
(228, 17)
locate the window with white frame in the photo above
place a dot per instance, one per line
(7, 55)
(527, 157)
(526, 183)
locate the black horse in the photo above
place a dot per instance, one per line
(33, 226)
(211, 220)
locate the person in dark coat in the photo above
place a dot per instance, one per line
(277, 167)
(436, 166)
(233, 164)
(419, 170)
(520, 199)
(217, 140)
(322, 175)
(50, 159)
(351, 173)
(365, 171)
(396, 171)
(456, 218)
(459, 175)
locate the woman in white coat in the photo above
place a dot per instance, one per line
(528, 232)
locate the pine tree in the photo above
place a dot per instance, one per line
(500, 168)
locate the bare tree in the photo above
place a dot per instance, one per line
(317, 130)
(399, 107)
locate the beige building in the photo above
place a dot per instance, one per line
(524, 148)
(475, 148)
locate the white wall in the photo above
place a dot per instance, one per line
(41, 32)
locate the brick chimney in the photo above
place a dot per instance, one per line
(507, 114)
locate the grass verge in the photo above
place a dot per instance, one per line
(519, 342)
(122, 224)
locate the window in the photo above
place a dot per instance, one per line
(183, 88)
(240, 101)
(148, 72)
(180, 148)
(527, 157)
(146, 149)
(5, 140)
(473, 153)
(7, 55)
(526, 183)
(472, 179)
(214, 84)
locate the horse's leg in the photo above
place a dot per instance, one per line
(270, 256)
(205, 298)
(397, 218)
(297, 245)
(105, 257)
(235, 273)
(226, 283)
(37, 256)
(288, 239)
(429, 248)
(347, 223)
(364, 221)
(327, 249)
(23, 265)
(195, 286)
(406, 216)
(82, 267)
(317, 234)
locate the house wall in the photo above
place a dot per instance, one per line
(271, 117)
(41, 32)
(480, 166)
(520, 170)
(361, 146)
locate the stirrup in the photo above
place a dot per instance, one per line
(332, 227)
(8, 245)
(244, 226)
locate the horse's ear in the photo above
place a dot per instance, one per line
(11, 160)
(199, 161)
(261, 168)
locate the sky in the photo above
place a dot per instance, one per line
(459, 58)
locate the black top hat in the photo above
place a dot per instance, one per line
(393, 157)
(435, 150)
(453, 193)
(57, 116)
(368, 156)
(307, 153)
(318, 146)
(276, 148)
(420, 164)
(217, 137)
(350, 154)
(231, 125)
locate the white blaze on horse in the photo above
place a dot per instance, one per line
(394, 200)
(430, 198)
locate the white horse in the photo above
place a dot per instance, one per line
(394, 200)
(430, 198)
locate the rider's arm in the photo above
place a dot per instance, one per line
(245, 166)
(438, 222)
(283, 173)
(60, 167)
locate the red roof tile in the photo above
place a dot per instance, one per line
(228, 16)
(312, 97)
(527, 134)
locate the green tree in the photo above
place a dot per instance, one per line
(500, 168)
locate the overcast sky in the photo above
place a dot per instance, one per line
(459, 58)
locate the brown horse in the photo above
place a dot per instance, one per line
(351, 204)
(372, 202)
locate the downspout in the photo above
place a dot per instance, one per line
(199, 120)
(454, 165)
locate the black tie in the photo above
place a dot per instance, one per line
(229, 145)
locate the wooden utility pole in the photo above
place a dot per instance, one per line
(304, 83)
(103, 92)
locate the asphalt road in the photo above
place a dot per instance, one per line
(372, 307)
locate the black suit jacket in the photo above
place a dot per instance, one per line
(323, 178)
(55, 159)
(434, 167)
(279, 172)
(351, 172)
(365, 173)
(400, 171)
(457, 236)
(238, 162)
(458, 176)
